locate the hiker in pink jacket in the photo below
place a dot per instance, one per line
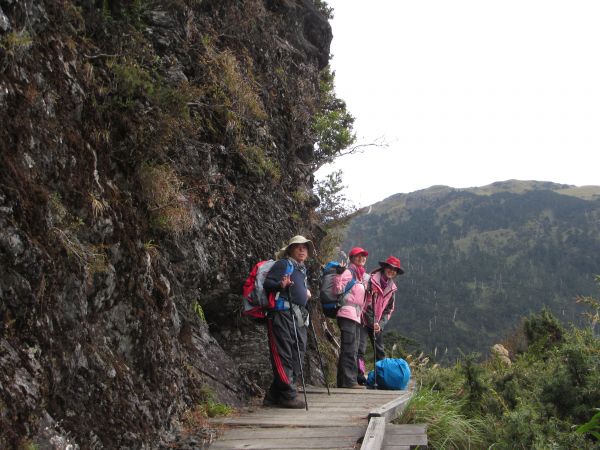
(349, 315)
(379, 305)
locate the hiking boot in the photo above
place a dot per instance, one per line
(292, 403)
(269, 400)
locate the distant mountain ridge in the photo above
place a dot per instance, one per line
(478, 259)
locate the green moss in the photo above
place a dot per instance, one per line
(57, 209)
(300, 196)
(28, 444)
(131, 81)
(260, 164)
(199, 311)
(16, 42)
(210, 407)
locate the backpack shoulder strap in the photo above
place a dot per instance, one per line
(289, 268)
(349, 286)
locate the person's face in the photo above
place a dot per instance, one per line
(390, 272)
(359, 260)
(299, 252)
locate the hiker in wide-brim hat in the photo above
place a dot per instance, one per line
(393, 263)
(287, 321)
(379, 305)
(285, 251)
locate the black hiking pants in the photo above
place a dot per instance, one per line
(284, 353)
(348, 364)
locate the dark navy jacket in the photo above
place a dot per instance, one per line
(295, 293)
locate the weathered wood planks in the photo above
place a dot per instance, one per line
(336, 421)
(374, 435)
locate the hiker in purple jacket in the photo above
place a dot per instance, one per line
(379, 305)
(287, 323)
(349, 315)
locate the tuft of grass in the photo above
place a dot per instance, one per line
(98, 205)
(259, 163)
(210, 407)
(199, 311)
(300, 195)
(92, 257)
(168, 206)
(97, 261)
(447, 427)
(591, 427)
(57, 209)
(16, 43)
(215, 409)
(28, 444)
(131, 81)
(243, 96)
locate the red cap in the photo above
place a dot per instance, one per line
(392, 262)
(358, 251)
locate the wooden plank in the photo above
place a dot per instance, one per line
(324, 411)
(287, 422)
(283, 443)
(396, 447)
(405, 439)
(375, 433)
(345, 391)
(349, 399)
(335, 421)
(408, 428)
(392, 408)
(355, 432)
(300, 414)
(409, 434)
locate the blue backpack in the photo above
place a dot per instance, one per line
(392, 374)
(330, 301)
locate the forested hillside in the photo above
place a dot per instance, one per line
(478, 260)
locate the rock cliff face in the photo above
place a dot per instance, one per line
(150, 153)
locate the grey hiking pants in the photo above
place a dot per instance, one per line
(347, 364)
(362, 346)
(284, 353)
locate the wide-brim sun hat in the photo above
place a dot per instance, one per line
(392, 262)
(358, 251)
(297, 240)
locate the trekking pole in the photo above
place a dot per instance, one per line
(312, 325)
(374, 361)
(299, 360)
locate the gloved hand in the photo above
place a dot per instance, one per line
(340, 269)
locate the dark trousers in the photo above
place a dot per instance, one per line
(362, 346)
(283, 348)
(348, 364)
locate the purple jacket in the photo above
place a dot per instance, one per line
(380, 302)
(354, 300)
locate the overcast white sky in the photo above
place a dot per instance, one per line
(468, 92)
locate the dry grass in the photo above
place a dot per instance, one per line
(241, 89)
(98, 205)
(167, 204)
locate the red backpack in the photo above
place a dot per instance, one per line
(255, 299)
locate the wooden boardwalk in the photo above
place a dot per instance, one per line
(336, 421)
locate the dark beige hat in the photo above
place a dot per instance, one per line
(297, 240)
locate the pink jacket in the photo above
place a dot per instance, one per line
(379, 303)
(354, 300)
